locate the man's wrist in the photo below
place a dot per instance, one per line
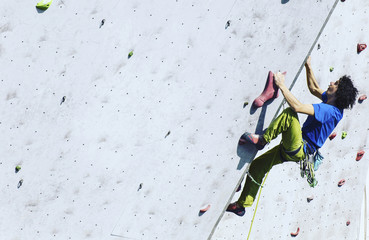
(281, 85)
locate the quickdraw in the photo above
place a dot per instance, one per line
(307, 169)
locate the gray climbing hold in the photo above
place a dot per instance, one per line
(102, 23)
(63, 100)
(228, 24)
(20, 183)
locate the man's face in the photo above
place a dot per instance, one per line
(332, 87)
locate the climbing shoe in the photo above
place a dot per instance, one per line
(255, 139)
(236, 209)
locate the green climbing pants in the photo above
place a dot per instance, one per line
(287, 124)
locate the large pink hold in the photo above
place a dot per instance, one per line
(270, 91)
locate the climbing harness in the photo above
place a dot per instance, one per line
(309, 164)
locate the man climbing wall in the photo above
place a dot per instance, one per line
(298, 144)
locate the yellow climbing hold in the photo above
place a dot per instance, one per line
(43, 6)
(344, 134)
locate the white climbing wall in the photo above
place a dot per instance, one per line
(283, 203)
(141, 144)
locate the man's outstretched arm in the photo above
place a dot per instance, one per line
(295, 104)
(311, 81)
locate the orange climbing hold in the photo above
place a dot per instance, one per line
(333, 135)
(205, 209)
(362, 98)
(296, 233)
(360, 47)
(359, 155)
(341, 182)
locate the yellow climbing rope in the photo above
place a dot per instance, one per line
(257, 202)
(256, 207)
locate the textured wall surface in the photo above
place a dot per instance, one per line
(283, 203)
(141, 144)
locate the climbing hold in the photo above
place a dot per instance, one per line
(348, 223)
(17, 168)
(331, 69)
(360, 47)
(245, 104)
(203, 210)
(167, 134)
(362, 98)
(63, 100)
(102, 23)
(139, 187)
(20, 183)
(359, 155)
(228, 24)
(270, 91)
(295, 233)
(341, 182)
(343, 0)
(309, 199)
(43, 6)
(318, 46)
(333, 135)
(130, 54)
(344, 134)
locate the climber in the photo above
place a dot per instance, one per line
(297, 143)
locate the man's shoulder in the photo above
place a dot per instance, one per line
(328, 110)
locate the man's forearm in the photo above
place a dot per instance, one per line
(290, 98)
(295, 104)
(311, 81)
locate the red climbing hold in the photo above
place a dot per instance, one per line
(270, 91)
(362, 98)
(295, 233)
(333, 135)
(360, 47)
(348, 223)
(359, 155)
(341, 182)
(205, 209)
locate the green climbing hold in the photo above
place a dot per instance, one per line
(245, 104)
(331, 69)
(344, 134)
(17, 168)
(130, 54)
(43, 6)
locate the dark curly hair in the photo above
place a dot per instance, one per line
(346, 93)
